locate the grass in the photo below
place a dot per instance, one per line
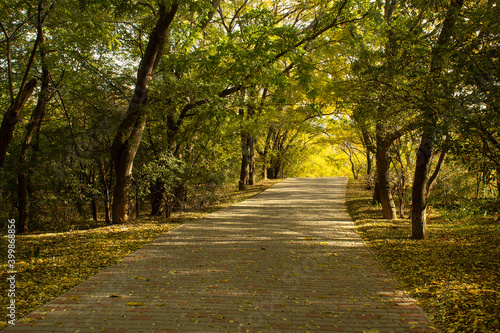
(49, 264)
(454, 273)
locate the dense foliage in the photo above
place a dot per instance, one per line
(116, 109)
(152, 106)
(239, 90)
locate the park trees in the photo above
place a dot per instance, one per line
(381, 91)
(209, 92)
(15, 28)
(474, 71)
(422, 183)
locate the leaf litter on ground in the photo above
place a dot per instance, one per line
(49, 264)
(454, 273)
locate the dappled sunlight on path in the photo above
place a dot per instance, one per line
(287, 260)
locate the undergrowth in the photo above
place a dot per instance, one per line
(454, 274)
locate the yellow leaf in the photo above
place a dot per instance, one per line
(135, 304)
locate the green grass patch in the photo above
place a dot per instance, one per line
(454, 274)
(50, 264)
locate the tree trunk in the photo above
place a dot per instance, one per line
(11, 118)
(123, 165)
(130, 131)
(369, 177)
(251, 161)
(102, 175)
(245, 166)
(34, 125)
(419, 204)
(386, 199)
(137, 203)
(424, 153)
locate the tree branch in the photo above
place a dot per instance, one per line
(435, 174)
(38, 40)
(9, 63)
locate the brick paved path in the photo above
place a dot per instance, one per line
(287, 260)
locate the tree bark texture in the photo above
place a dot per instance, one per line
(11, 118)
(384, 186)
(245, 165)
(419, 193)
(251, 161)
(34, 125)
(128, 137)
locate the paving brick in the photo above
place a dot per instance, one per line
(287, 260)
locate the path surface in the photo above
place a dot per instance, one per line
(287, 260)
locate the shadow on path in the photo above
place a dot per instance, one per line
(287, 260)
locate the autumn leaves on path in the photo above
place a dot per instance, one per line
(287, 260)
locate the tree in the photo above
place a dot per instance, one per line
(421, 183)
(25, 89)
(384, 105)
(130, 131)
(474, 65)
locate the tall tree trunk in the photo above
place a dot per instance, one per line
(128, 137)
(11, 118)
(265, 153)
(34, 125)
(386, 199)
(251, 161)
(106, 191)
(370, 149)
(18, 102)
(419, 202)
(245, 166)
(419, 194)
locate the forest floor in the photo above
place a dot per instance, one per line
(286, 260)
(49, 264)
(454, 273)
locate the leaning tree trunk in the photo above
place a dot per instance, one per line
(11, 118)
(34, 125)
(425, 150)
(130, 131)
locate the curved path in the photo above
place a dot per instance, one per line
(287, 260)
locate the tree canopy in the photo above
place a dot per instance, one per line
(113, 108)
